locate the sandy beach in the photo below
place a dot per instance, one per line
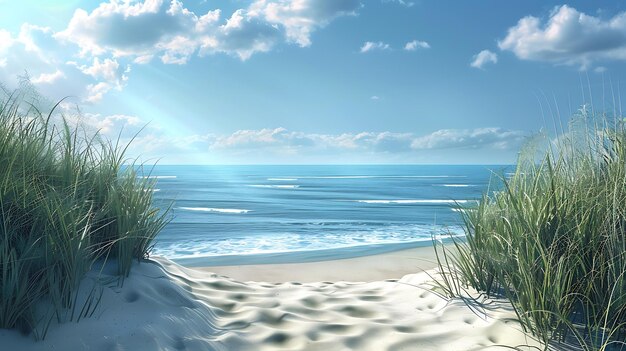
(392, 265)
(308, 306)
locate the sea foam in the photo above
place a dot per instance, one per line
(289, 242)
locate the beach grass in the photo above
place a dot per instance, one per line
(553, 239)
(66, 201)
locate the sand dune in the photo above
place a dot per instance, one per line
(383, 315)
(164, 306)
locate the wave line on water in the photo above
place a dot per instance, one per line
(218, 210)
(381, 176)
(160, 177)
(271, 186)
(455, 185)
(409, 201)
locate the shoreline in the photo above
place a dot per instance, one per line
(306, 256)
(380, 266)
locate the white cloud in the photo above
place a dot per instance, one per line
(416, 44)
(106, 74)
(95, 92)
(484, 57)
(35, 39)
(48, 78)
(32, 47)
(469, 138)
(143, 139)
(252, 138)
(143, 59)
(568, 37)
(300, 18)
(400, 2)
(208, 20)
(127, 28)
(600, 69)
(282, 141)
(109, 125)
(278, 138)
(178, 50)
(143, 30)
(374, 97)
(107, 69)
(370, 46)
(242, 35)
(34, 51)
(5, 40)
(37, 52)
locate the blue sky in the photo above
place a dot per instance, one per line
(326, 81)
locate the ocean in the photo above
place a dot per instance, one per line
(224, 215)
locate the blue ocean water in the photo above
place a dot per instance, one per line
(261, 214)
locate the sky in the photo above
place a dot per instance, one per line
(318, 81)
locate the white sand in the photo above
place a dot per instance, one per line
(164, 306)
(392, 265)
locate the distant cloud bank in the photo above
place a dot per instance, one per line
(281, 142)
(372, 141)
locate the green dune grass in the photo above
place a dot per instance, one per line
(553, 240)
(66, 200)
